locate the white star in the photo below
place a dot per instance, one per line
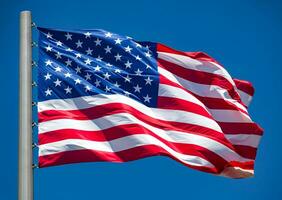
(147, 47)
(97, 83)
(88, 61)
(67, 75)
(138, 72)
(128, 64)
(117, 85)
(48, 48)
(79, 44)
(147, 98)
(99, 58)
(78, 55)
(87, 34)
(59, 43)
(47, 76)
(109, 64)
(128, 49)
(68, 62)
(126, 93)
(48, 92)
(57, 83)
(128, 37)
(98, 42)
(148, 81)
(97, 68)
(88, 76)
(58, 69)
(77, 81)
(118, 41)
(117, 71)
(108, 34)
(127, 78)
(107, 89)
(107, 75)
(148, 66)
(87, 88)
(118, 57)
(137, 88)
(138, 45)
(138, 57)
(89, 51)
(58, 55)
(78, 69)
(69, 50)
(68, 90)
(48, 62)
(49, 35)
(108, 49)
(68, 36)
(148, 54)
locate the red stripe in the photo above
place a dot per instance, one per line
(246, 151)
(114, 108)
(220, 104)
(245, 86)
(240, 128)
(195, 55)
(179, 104)
(105, 135)
(100, 156)
(200, 77)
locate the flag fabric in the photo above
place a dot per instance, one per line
(107, 97)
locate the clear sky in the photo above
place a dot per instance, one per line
(245, 36)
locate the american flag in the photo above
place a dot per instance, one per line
(107, 97)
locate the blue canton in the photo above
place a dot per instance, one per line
(90, 62)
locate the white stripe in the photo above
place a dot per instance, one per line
(118, 145)
(244, 139)
(117, 119)
(157, 113)
(101, 123)
(95, 100)
(230, 116)
(246, 98)
(190, 63)
(203, 90)
(76, 103)
(125, 118)
(174, 92)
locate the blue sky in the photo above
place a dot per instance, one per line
(244, 36)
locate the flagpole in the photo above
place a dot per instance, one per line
(25, 171)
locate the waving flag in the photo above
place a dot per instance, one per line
(106, 97)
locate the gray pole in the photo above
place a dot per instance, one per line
(25, 173)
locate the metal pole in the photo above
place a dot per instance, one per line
(25, 173)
